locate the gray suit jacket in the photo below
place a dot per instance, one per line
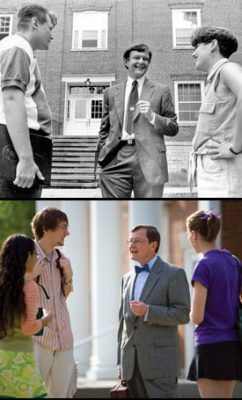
(166, 291)
(150, 144)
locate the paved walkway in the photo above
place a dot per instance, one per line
(169, 192)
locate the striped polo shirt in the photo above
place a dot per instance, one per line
(19, 68)
(58, 334)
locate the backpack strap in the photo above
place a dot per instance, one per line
(61, 271)
(45, 291)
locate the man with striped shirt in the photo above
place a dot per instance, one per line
(23, 103)
(54, 349)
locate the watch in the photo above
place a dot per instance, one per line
(234, 152)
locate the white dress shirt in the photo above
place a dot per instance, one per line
(126, 135)
(141, 279)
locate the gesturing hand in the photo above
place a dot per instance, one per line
(144, 108)
(138, 308)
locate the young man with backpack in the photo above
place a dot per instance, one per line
(54, 349)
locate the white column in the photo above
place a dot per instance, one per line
(77, 249)
(190, 258)
(106, 271)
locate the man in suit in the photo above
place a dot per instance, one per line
(137, 114)
(155, 299)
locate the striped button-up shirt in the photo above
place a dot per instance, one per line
(58, 334)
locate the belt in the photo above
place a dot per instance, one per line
(129, 142)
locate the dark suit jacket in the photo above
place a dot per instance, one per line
(166, 291)
(150, 144)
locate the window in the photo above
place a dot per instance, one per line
(5, 25)
(184, 22)
(90, 30)
(188, 98)
(97, 107)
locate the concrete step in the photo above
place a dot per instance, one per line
(73, 163)
(101, 389)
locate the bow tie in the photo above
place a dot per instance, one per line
(141, 269)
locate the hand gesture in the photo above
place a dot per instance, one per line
(65, 265)
(138, 308)
(47, 317)
(38, 268)
(144, 109)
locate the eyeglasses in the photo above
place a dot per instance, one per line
(136, 242)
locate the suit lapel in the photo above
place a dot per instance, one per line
(119, 100)
(130, 293)
(153, 277)
(146, 93)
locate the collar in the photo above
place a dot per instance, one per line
(140, 81)
(43, 255)
(151, 262)
(215, 67)
(27, 46)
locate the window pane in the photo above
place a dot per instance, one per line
(4, 26)
(92, 27)
(183, 36)
(89, 38)
(185, 22)
(96, 111)
(80, 109)
(189, 101)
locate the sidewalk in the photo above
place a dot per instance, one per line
(100, 389)
(169, 192)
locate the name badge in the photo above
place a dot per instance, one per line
(131, 108)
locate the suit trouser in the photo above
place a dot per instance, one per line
(151, 388)
(124, 174)
(58, 370)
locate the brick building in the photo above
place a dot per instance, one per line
(86, 56)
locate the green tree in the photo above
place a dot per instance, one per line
(15, 217)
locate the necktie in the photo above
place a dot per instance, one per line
(141, 269)
(133, 99)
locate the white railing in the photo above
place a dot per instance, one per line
(95, 336)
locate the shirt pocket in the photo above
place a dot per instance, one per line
(208, 108)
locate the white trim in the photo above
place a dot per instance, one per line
(65, 109)
(189, 82)
(175, 11)
(93, 78)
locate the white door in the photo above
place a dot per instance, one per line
(84, 115)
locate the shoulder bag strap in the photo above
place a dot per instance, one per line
(61, 270)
